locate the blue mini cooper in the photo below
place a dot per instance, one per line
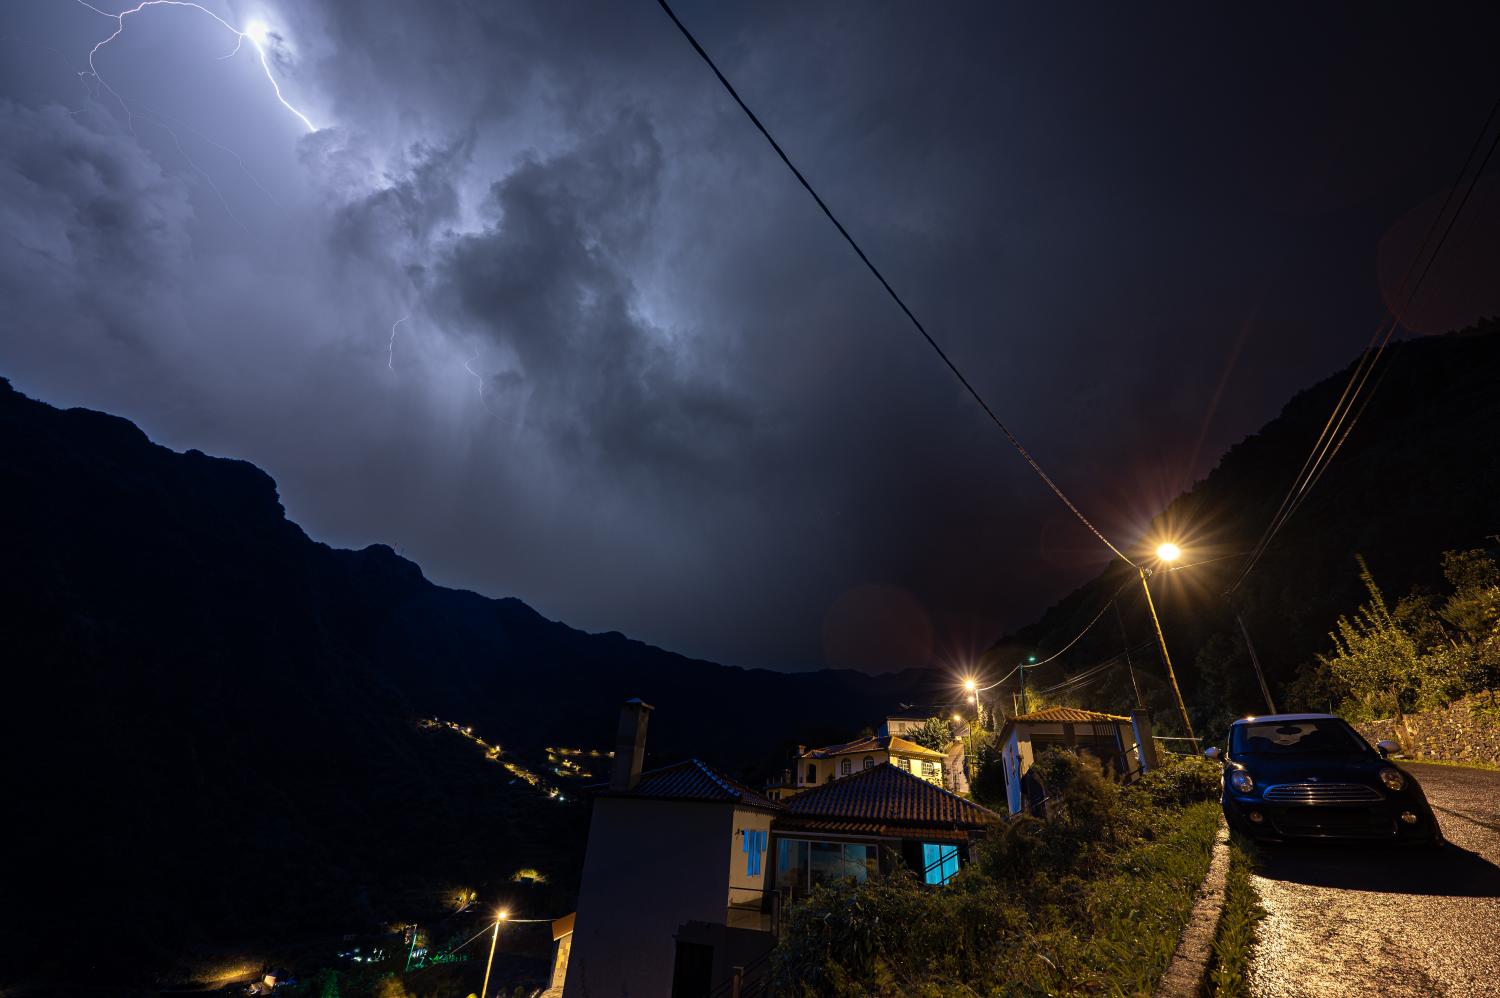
(1292, 776)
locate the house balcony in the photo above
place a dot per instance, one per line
(757, 910)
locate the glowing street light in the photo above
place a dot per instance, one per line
(1167, 551)
(500, 916)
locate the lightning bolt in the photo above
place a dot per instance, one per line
(255, 36)
(469, 366)
(390, 361)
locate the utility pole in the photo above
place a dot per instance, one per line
(484, 989)
(1021, 668)
(1166, 657)
(1255, 661)
(1129, 665)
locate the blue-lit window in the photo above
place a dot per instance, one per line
(939, 863)
(754, 845)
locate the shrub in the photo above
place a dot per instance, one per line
(1180, 781)
(1090, 900)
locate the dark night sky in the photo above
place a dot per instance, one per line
(642, 384)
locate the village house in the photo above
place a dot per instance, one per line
(687, 871)
(833, 762)
(1123, 746)
(904, 722)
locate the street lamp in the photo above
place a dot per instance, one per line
(1167, 552)
(500, 916)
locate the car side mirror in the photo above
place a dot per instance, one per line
(1211, 753)
(1387, 747)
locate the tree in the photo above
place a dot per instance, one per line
(935, 733)
(1421, 654)
(1374, 657)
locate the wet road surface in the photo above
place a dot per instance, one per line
(1368, 920)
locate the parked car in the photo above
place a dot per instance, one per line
(1292, 776)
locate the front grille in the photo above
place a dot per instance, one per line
(1322, 793)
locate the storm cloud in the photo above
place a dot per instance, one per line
(536, 305)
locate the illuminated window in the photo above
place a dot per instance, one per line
(802, 865)
(903, 764)
(929, 769)
(869, 762)
(754, 845)
(846, 767)
(939, 863)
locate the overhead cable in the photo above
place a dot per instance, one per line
(1014, 441)
(1329, 440)
(1076, 638)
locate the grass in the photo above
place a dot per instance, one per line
(1132, 920)
(1235, 938)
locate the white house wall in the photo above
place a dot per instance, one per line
(650, 866)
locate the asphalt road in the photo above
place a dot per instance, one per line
(1369, 920)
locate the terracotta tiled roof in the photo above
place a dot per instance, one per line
(694, 780)
(1069, 715)
(793, 825)
(885, 795)
(884, 743)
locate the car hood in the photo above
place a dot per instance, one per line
(1311, 768)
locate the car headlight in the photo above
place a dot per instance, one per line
(1240, 780)
(1392, 778)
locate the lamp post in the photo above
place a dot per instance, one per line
(1167, 552)
(500, 916)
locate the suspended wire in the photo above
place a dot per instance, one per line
(1473, 181)
(1076, 638)
(1014, 441)
(1325, 448)
(1096, 671)
(1206, 561)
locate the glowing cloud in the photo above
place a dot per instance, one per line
(257, 32)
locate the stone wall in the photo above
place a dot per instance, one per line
(1467, 730)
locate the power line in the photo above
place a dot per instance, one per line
(1057, 654)
(1473, 181)
(1325, 448)
(1076, 638)
(1014, 441)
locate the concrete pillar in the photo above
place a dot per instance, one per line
(1140, 723)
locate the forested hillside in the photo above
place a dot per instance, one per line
(1418, 476)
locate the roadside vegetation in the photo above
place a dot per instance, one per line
(1458, 763)
(1423, 653)
(1091, 900)
(1228, 976)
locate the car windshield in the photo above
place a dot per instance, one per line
(1293, 737)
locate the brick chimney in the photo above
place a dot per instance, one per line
(630, 745)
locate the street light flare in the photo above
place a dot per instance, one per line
(1169, 552)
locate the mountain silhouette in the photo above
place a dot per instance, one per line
(213, 720)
